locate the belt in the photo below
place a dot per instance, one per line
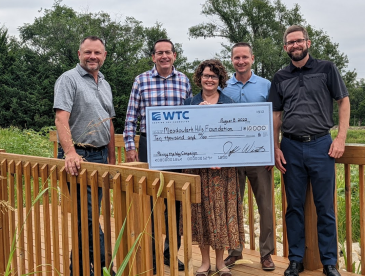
(88, 148)
(143, 134)
(305, 138)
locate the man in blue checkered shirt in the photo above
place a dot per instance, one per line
(161, 86)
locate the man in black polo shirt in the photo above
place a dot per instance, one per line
(302, 95)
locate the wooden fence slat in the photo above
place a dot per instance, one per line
(124, 211)
(186, 205)
(106, 217)
(362, 215)
(55, 231)
(6, 223)
(21, 222)
(251, 218)
(3, 213)
(120, 155)
(131, 229)
(84, 224)
(14, 261)
(118, 216)
(311, 260)
(95, 217)
(55, 149)
(142, 191)
(144, 201)
(37, 220)
(64, 220)
(348, 217)
(336, 212)
(171, 210)
(46, 222)
(29, 218)
(74, 227)
(157, 221)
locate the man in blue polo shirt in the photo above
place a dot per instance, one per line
(246, 87)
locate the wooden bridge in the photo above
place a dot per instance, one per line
(47, 232)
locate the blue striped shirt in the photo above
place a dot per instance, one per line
(151, 89)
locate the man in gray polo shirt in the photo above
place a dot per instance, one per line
(84, 108)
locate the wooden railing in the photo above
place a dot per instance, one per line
(42, 243)
(354, 155)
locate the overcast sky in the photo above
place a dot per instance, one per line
(342, 20)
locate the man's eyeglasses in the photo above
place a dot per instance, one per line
(206, 77)
(160, 53)
(292, 42)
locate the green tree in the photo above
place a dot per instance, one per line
(56, 37)
(48, 47)
(22, 99)
(357, 96)
(262, 24)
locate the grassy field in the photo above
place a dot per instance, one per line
(30, 142)
(27, 141)
(354, 135)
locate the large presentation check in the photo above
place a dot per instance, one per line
(203, 136)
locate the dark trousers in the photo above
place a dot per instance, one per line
(260, 179)
(142, 155)
(311, 161)
(98, 157)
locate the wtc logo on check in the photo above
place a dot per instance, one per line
(175, 115)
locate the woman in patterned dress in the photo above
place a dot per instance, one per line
(218, 220)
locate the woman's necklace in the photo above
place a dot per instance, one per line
(211, 99)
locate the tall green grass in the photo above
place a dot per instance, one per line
(27, 141)
(355, 202)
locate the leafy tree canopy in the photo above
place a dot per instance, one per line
(262, 24)
(48, 47)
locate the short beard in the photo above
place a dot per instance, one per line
(300, 57)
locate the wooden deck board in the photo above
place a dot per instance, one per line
(252, 267)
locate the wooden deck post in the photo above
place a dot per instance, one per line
(2, 226)
(311, 259)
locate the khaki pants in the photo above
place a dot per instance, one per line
(260, 179)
